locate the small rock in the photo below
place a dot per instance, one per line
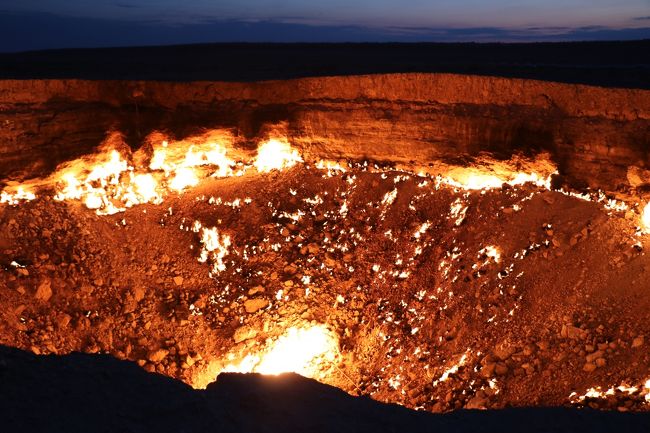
(593, 356)
(255, 290)
(138, 293)
(476, 402)
(156, 356)
(573, 332)
(637, 342)
(64, 320)
(504, 350)
(501, 369)
(589, 367)
(178, 280)
(244, 333)
(487, 370)
(253, 305)
(44, 291)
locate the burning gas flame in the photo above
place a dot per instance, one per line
(14, 198)
(470, 180)
(276, 154)
(645, 218)
(114, 178)
(307, 350)
(179, 162)
(299, 350)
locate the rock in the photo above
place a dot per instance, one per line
(156, 356)
(501, 369)
(244, 333)
(44, 291)
(637, 342)
(573, 332)
(255, 290)
(477, 402)
(178, 280)
(253, 305)
(589, 367)
(290, 269)
(593, 356)
(63, 320)
(504, 350)
(601, 362)
(138, 293)
(487, 370)
(637, 176)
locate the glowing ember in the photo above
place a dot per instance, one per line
(275, 155)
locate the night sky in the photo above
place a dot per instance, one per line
(40, 24)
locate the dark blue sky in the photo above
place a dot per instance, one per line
(38, 24)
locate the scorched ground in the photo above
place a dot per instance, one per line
(415, 289)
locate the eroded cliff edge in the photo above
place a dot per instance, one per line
(598, 137)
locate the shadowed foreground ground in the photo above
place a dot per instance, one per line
(81, 393)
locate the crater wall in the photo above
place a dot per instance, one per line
(599, 137)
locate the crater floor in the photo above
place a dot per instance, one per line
(432, 296)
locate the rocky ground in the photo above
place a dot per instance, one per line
(440, 298)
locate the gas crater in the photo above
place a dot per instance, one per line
(420, 247)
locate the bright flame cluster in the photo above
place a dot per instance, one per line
(215, 247)
(645, 218)
(109, 182)
(276, 154)
(305, 351)
(109, 187)
(470, 180)
(14, 198)
(179, 163)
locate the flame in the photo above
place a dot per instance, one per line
(645, 218)
(183, 177)
(276, 154)
(179, 162)
(214, 247)
(100, 188)
(108, 183)
(309, 350)
(305, 351)
(14, 198)
(469, 179)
